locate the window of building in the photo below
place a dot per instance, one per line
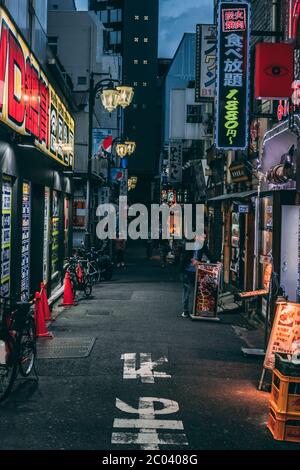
(104, 16)
(146, 40)
(136, 39)
(136, 17)
(115, 37)
(135, 83)
(145, 83)
(146, 18)
(193, 114)
(145, 61)
(81, 80)
(116, 15)
(53, 44)
(135, 61)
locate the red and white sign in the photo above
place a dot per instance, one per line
(28, 103)
(285, 335)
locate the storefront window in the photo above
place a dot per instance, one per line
(266, 237)
(25, 260)
(46, 235)
(55, 240)
(66, 226)
(6, 235)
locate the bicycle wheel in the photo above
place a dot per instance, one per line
(87, 286)
(9, 370)
(27, 348)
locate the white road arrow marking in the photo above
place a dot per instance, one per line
(146, 371)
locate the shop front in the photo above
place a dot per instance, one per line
(279, 211)
(36, 155)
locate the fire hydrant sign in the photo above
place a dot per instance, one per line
(233, 75)
(285, 334)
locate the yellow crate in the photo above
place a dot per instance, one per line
(285, 393)
(284, 426)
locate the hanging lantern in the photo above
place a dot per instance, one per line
(131, 146)
(121, 150)
(125, 95)
(134, 179)
(110, 99)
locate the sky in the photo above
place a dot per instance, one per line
(176, 17)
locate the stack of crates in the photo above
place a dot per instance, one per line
(284, 411)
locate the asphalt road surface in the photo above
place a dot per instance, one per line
(149, 379)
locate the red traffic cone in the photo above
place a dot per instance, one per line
(68, 291)
(44, 302)
(40, 324)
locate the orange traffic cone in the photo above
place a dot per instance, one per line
(44, 303)
(40, 324)
(68, 291)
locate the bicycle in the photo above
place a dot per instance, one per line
(17, 342)
(79, 278)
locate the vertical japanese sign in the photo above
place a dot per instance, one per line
(25, 263)
(6, 235)
(175, 162)
(206, 61)
(233, 75)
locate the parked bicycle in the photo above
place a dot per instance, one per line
(80, 278)
(17, 342)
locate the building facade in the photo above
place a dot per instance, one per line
(133, 32)
(37, 155)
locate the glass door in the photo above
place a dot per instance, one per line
(46, 235)
(55, 225)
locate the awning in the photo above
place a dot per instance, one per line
(241, 195)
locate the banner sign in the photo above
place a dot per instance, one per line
(285, 334)
(28, 103)
(207, 285)
(6, 235)
(175, 162)
(206, 61)
(233, 75)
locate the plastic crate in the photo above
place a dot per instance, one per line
(285, 393)
(284, 426)
(286, 367)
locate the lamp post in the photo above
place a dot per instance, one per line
(111, 97)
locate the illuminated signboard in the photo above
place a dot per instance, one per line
(28, 103)
(233, 75)
(206, 58)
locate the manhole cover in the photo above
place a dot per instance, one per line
(61, 348)
(98, 312)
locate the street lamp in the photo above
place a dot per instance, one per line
(131, 146)
(121, 150)
(112, 94)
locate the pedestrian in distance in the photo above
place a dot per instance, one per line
(188, 263)
(120, 246)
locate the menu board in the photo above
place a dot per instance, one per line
(207, 290)
(25, 258)
(285, 334)
(6, 235)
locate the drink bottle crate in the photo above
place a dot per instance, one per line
(285, 393)
(284, 426)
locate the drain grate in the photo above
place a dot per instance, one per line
(98, 312)
(63, 348)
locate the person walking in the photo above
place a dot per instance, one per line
(120, 246)
(188, 264)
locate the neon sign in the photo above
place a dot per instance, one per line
(233, 75)
(28, 103)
